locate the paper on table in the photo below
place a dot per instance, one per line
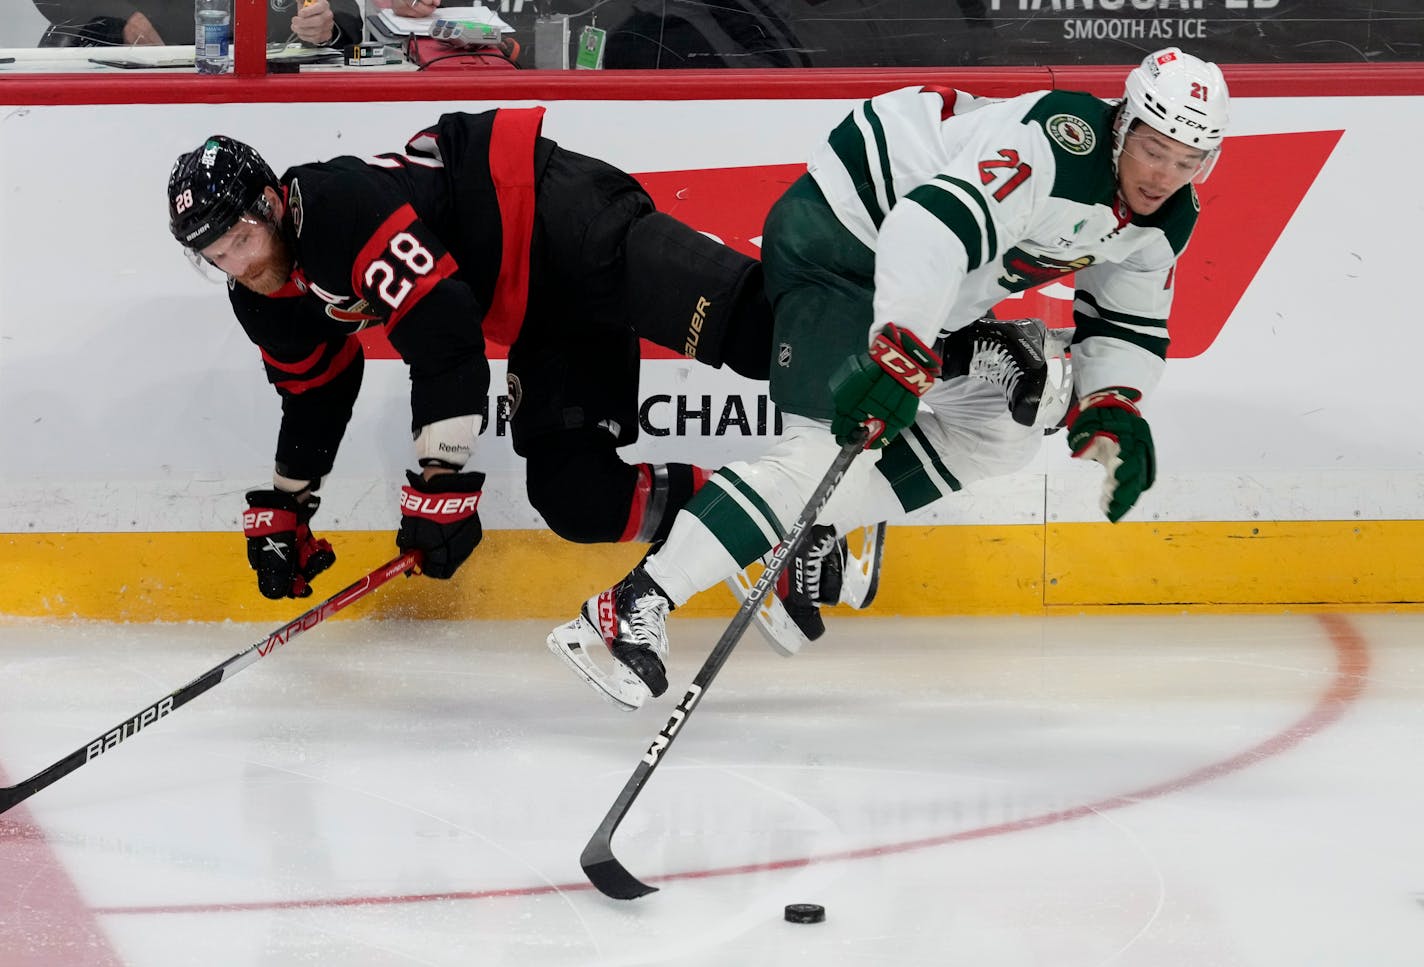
(420, 26)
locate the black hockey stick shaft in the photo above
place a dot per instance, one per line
(11, 795)
(602, 868)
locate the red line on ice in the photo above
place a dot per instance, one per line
(1352, 666)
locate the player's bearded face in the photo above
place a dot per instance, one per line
(254, 253)
(1153, 168)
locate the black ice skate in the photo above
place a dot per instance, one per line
(813, 578)
(628, 622)
(826, 571)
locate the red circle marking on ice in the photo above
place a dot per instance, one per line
(1352, 666)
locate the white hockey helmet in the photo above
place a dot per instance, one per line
(1183, 97)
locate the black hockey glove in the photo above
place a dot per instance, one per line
(280, 546)
(441, 517)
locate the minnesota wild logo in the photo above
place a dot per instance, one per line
(1024, 270)
(1072, 133)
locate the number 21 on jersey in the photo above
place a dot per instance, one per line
(1006, 166)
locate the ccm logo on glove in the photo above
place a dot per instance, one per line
(910, 373)
(881, 390)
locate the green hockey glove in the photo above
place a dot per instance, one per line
(882, 390)
(1105, 426)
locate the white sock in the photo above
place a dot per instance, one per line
(690, 560)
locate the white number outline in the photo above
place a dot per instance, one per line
(414, 256)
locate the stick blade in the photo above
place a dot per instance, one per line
(9, 796)
(610, 877)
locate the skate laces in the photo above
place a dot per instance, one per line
(642, 617)
(647, 622)
(811, 563)
(993, 363)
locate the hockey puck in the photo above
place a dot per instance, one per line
(805, 913)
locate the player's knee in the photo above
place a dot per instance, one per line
(581, 490)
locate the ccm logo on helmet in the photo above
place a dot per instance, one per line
(437, 508)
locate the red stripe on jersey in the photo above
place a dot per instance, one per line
(511, 165)
(348, 352)
(375, 247)
(290, 289)
(639, 505)
(946, 94)
(444, 268)
(700, 475)
(378, 249)
(299, 367)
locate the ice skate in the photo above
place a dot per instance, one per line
(826, 571)
(618, 641)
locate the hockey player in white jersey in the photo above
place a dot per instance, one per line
(922, 210)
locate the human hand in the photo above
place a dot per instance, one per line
(314, 23)
(1106, 427)
(414, 8)
(139, 31)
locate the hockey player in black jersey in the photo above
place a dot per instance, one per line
(480, 232)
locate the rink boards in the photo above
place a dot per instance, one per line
(133, 413)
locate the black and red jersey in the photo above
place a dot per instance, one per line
(433, 245)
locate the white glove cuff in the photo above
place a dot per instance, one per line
(450, 441)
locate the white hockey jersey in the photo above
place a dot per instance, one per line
(966, 200)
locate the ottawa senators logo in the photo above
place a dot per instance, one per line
(354, 317)
(352, 313)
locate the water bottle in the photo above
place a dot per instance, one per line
(212, 50)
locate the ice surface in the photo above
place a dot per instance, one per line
(1148, 790)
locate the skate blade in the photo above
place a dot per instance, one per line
(771, 618)
(623, 691)
(860, 579)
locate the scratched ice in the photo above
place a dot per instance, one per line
(1145, 790)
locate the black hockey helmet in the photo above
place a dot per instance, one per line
(211, 187)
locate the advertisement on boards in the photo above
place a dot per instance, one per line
(145, 408)
(680, 34)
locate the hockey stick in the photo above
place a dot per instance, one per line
(599, 864)
(11, 795)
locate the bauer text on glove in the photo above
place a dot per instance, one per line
(882, 390)
(440, 517)
(280, 545)
(1105, 426)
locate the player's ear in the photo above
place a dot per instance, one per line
(269, 206)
